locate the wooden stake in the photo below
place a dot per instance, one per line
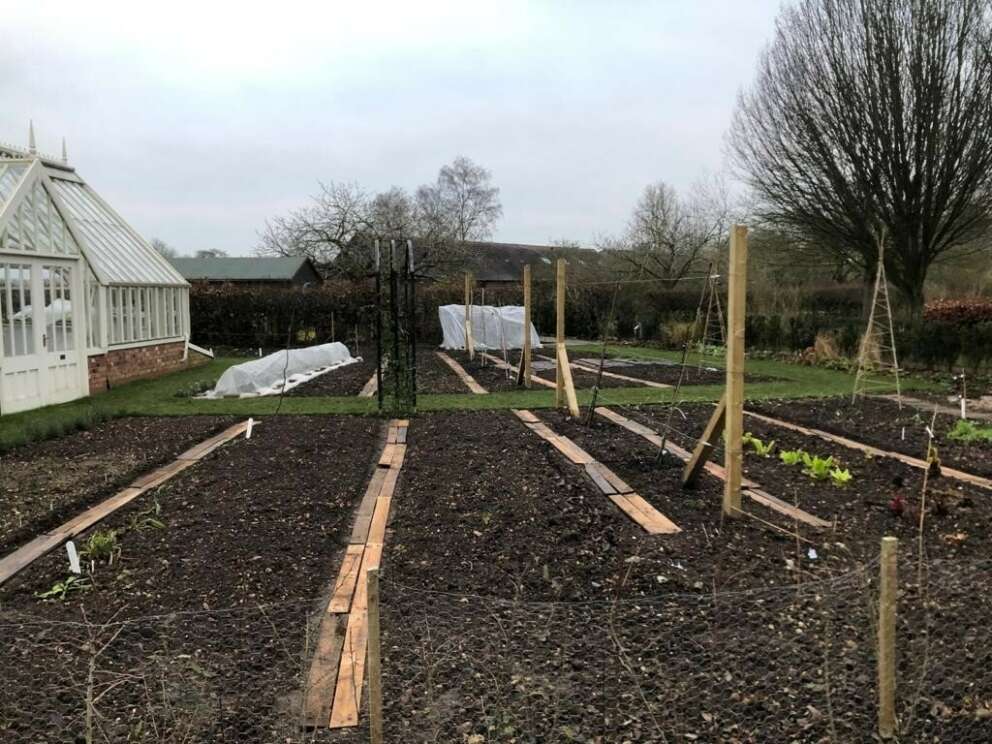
(735, 372)
(888, 587)
(704, 448)
(469, 343)
(374, 660)
(526, 366)
(560, 331)
(566, 375)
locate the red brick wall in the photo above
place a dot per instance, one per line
(143, 362)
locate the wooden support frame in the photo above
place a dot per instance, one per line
(734, 449)
(704, 448)
(525, 365)
(565, 374)
(560, 331)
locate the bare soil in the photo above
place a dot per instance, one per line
(204, 622)
(347, 380)
(44, 484)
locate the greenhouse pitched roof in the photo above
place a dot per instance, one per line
(114, 250)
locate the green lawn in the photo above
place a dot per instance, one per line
(170, 396)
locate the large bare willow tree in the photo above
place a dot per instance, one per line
(874, 117)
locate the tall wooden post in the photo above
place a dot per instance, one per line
(735, 372)
(560, 331)
(527, 339)
(887, 589)
(469, 342)
(374, 658)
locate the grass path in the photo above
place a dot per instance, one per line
(171, 396)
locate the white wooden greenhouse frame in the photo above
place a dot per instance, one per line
(102, 287)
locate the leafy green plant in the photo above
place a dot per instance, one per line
(147, 519)
(818, 467)
(841, 477)
(62, 589)
(102, 545)
(791, 457)
(969, 433)
(760, 448)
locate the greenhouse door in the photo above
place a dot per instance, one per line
(44, 359)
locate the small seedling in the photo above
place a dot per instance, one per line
(148, 519)
(819, 468)
(969, 433)
(102, 545)
(62, 589)
(841, 477)
(791, 457)
(759, 447)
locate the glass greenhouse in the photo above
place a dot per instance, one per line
(85, 301)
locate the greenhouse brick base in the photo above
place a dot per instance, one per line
(143, 362)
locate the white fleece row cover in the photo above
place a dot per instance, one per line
(492, 327)
(282, 370)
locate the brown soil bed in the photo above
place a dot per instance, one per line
(202, 623)
(434, 376)
(44, 484)
(520, 602)
(492, 377)
(882, 424)
(667, 374)
(347, 380)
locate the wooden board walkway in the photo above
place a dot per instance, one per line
(916, 462)
(753, 490)
(615, 375)
(333, 693)
(608, 482)
(464, 376)
(24, 556)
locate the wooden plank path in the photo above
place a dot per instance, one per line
(608, 482)
(928, 407)
(371, 387)
(615, 375)
(916, 462)
(464, 376)
(24, 556)
(333, 693)
(753, 490)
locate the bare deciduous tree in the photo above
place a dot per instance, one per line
(668, 235)
(338, 229)
(871, 116)
(163, 249)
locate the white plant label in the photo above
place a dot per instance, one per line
(70, 548)
(964, 412)
(251, 423)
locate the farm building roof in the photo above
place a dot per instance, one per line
(117, 254)
(242, 269)
(504, 262)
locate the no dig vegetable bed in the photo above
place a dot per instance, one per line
(520, 605)
(194, 627)
(43, 484)
(346, 380)
(881, 423)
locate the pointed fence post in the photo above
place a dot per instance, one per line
(887, 590)
(469, 343)
(735, 372)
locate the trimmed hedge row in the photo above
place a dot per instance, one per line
(249, 318)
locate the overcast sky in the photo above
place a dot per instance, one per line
(197, 121)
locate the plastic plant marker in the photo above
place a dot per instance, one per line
(74, 567)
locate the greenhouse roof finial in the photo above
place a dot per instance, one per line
(31, 145)
(65, 154)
